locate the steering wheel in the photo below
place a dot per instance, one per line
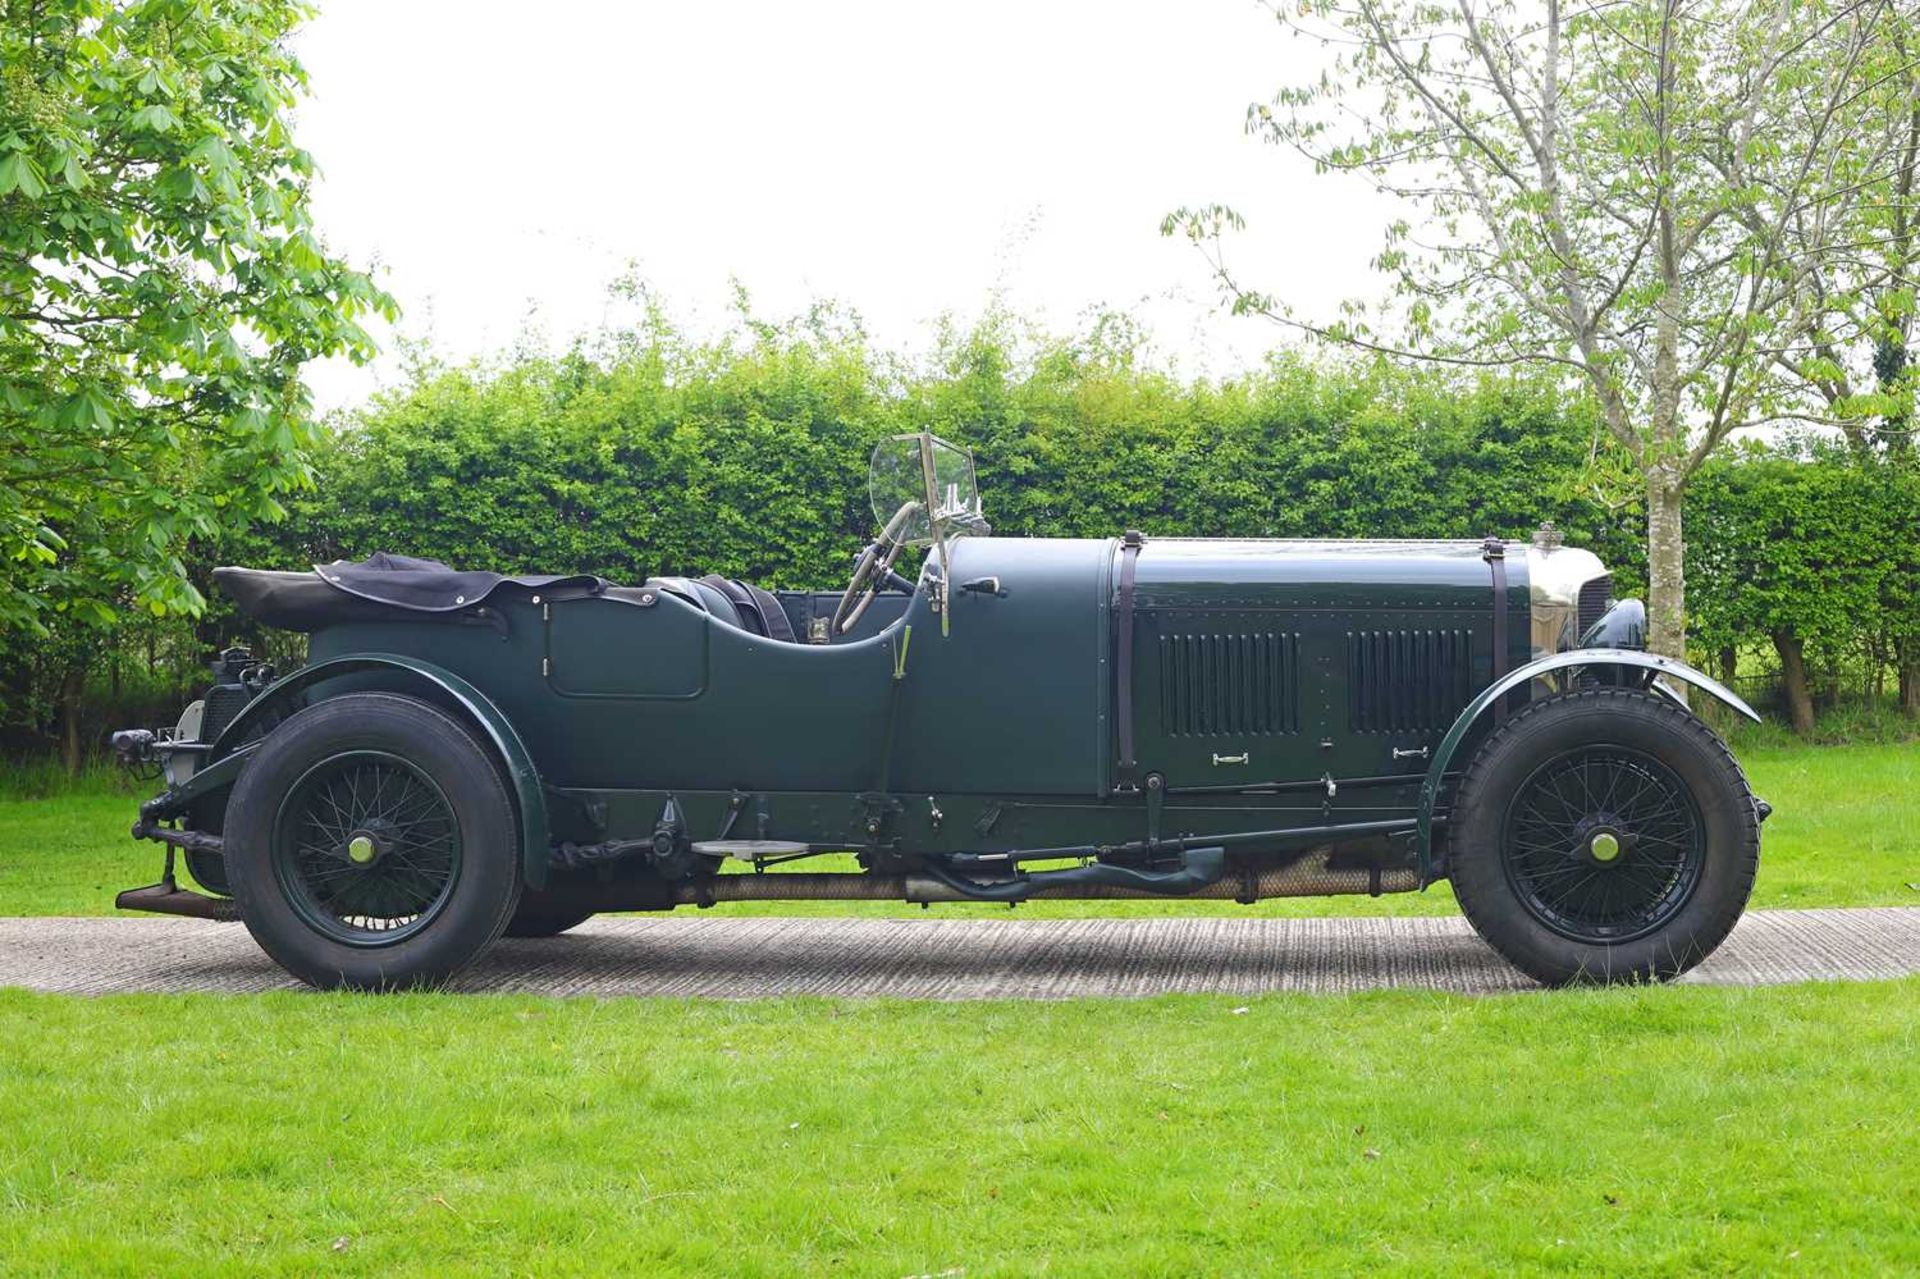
(874, 566)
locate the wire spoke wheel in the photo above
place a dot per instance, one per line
(1603, 835)
(1603, 844)
(366, 847)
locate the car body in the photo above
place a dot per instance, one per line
(1166, 716)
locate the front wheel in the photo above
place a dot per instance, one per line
(371, 844)
(1603, 836)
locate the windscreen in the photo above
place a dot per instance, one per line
(932, 474)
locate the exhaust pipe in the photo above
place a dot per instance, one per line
(1203, 875)
(1308, 876)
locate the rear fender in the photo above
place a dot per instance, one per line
(498, 731)
(1619, 659)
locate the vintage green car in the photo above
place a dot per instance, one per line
(465, 755)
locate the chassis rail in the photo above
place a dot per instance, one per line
(1311, 875)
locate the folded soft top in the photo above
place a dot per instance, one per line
(373, 589)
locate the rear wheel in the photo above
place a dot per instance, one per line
(1603, 836)
(371, 843)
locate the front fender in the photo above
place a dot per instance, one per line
(522, 776)
(1617, 657)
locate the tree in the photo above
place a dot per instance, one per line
(1638, 194)
(1814, 550)
(1862, 297)
(161, 286)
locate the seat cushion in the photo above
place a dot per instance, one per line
(737, 604)
(707, 598)
(745, 608)
(759, 611)
(772, 617)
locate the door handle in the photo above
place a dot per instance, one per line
(1242, 758)
(1418, 752)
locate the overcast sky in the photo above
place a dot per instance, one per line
(503, 162)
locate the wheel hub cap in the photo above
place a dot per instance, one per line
(1604, 847)
(361, 850)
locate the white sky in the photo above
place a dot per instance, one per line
(504, 161)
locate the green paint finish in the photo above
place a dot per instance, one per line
(1278, 687)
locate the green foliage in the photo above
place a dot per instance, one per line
(747, 459)
(652, 452)
(161, 285)
(747, 455)
(1810, 542)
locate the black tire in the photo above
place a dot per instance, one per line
(407, 786)
(539, 915)
(1603, 836)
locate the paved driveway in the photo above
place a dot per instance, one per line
(748, 958)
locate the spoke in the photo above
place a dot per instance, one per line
(352, 800)
(335, 829)
(1617, 803)
(1615, 777)
(407, 838)
(418, 804)
(376, 805)
(412, 850)
(1556, 879)
(1649, 887)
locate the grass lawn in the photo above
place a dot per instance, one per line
(1664, 1131)
(1675, 1130)
(1845, 832)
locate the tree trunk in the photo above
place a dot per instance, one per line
(1666, 565)
(73, 688)
(1909, 651)
(1729, 665)
(1793, 673)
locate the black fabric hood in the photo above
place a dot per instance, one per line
(373, 588)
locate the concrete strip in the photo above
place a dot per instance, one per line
(763, 957)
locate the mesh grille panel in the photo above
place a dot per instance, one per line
(224, 701)
(1594, 595)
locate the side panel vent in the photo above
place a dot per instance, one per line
(1214, 684)
(1407, 681)
(1593, 600)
